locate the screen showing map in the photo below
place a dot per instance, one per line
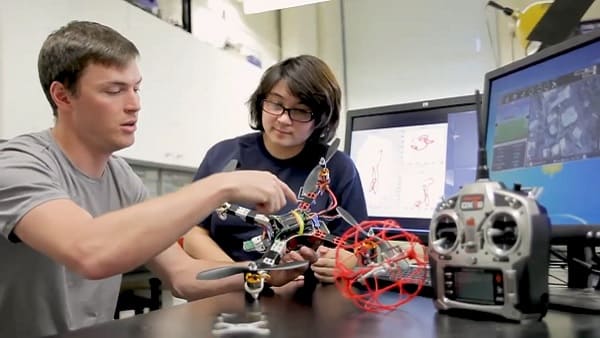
(544, 131)
(409, 160)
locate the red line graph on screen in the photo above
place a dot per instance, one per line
(375, 173)
(421, 143)
(425, 200)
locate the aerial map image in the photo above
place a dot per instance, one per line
(552, 122)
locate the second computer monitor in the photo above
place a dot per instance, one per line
(544, 130)
(411, 155)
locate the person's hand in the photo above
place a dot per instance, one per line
(325, 265)
(281, 277)
(262, 189)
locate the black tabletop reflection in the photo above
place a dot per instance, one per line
(325, 313)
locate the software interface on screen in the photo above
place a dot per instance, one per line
(407, 161)
(544, 131)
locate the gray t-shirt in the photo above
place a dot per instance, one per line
(37, 295)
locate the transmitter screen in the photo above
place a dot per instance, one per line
(474, 286)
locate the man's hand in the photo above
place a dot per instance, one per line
(281, 277)
(325, 264)
(262, 189)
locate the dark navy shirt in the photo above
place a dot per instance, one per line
(251, 153)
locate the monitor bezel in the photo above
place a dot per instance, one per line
(466, 102)
(561, 233)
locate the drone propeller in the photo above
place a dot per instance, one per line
(311, 180)
(368, 234)
(350, 220)
(221, 272)
(346, 216)
(333, 147)
(310, 183)
(226, 271)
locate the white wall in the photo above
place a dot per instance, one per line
(2, 72)
(403, 51)
(23, 106)
(299, 31)
(218, 21)
(317, 30)
(331, 49)
(193, 94)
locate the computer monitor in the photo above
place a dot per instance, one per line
(543, 130)
(411, 155)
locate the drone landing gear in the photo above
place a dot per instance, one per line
(253, 321)
(231, 324)
(266, 292)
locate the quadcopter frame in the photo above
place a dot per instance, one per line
(375, 254)
(298, 226)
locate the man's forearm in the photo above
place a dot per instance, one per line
(124, 239)
(202, 289)
(179, 271)
(121, 240)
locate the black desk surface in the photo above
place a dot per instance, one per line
(330, 315)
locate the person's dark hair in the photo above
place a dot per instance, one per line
(67, 51)
(313, 82)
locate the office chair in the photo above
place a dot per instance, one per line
(139, 280)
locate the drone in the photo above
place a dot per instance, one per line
(370, 241)
(298, 226)
(383, 265)
(281, 233)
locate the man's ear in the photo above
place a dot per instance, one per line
(60, 95)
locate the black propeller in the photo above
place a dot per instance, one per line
(310, 184)
(221, 272)
(350, 220)
(226, 271)
(311, 180)
(333, 147)
(346, 216)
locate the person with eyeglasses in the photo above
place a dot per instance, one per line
(295, 110)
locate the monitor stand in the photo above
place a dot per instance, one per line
(581, 293)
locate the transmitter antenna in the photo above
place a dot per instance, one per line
(482, 167)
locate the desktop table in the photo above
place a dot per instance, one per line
(328, 314)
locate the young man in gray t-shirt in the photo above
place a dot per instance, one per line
(71, 213)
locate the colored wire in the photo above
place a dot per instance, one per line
(299, 221)
(334, 202)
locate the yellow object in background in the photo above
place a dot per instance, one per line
(527, 19)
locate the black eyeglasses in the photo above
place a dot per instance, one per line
(295, 114)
